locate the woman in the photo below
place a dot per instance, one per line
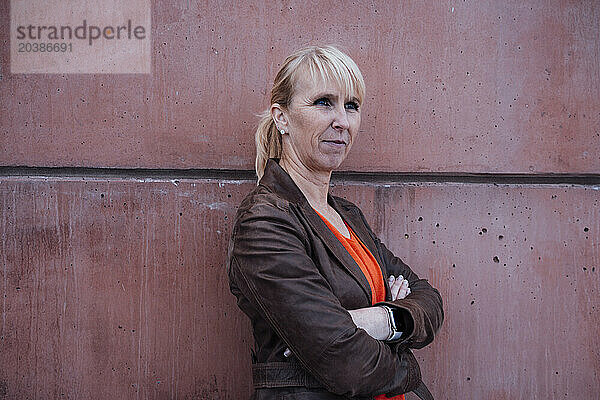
(334, 313)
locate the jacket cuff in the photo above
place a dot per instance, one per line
(404, 323)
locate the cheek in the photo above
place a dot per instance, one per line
(354, 128)
(302, 123)
(356, 120)
(310, 125)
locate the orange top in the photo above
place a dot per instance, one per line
(368, 264)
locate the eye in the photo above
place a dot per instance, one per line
(323, 101)
(352, 105)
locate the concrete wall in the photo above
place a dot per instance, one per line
(113, 281)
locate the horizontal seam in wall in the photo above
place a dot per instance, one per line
(337, 176)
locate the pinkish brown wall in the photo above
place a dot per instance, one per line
(112, 279)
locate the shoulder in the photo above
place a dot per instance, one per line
(265, 222)
(261, 201)
(262, 210)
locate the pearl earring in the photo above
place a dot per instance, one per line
(282, 131)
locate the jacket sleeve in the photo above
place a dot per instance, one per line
(270, 266)
(422, 310)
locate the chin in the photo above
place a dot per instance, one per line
(332, 163)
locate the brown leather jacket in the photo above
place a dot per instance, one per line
(296, 281)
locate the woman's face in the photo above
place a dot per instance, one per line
(322, 123)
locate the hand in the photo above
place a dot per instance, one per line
(399, 287)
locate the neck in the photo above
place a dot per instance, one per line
(313, 184)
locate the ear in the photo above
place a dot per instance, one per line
(279, 116)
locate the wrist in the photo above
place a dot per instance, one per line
(394, 326)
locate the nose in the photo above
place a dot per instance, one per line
(340, 120)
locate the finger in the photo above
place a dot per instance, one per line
(397, 283)
(395, 288)
(404, 290)
(403, 293)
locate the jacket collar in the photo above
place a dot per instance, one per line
(279, 181)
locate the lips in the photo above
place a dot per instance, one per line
(336, 146)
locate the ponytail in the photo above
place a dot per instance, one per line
(268, 143)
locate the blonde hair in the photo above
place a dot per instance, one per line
(324, 62)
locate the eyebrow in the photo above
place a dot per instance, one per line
(327, 94)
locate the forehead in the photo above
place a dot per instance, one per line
(308, 84)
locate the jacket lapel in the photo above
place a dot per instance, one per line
(337, 249)
(352, 218)
(278, 180)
